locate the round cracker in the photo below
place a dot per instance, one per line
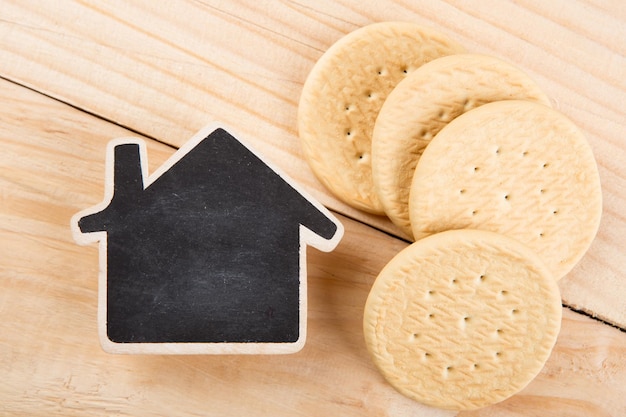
(343, 94)
(462, 319)
(513, 167)
(422, 104)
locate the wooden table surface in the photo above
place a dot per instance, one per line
(76, 74)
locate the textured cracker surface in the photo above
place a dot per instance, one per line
(343, 94)
(422, 104)
(462, 319)
(516, 168)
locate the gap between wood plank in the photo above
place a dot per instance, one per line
(143, 135)
(90, 113)
(592, 316)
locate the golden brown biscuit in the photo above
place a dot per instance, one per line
(462, 319)
(343, 94)
(513, 167)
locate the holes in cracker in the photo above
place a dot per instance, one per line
(425, 134)
(468, 105)
(445, 116)
(506, 196)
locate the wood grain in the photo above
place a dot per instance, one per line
(52, 165)
(166, 70)
(50, 357)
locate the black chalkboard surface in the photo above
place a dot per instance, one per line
(207, 255)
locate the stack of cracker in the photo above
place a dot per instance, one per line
(499, 191)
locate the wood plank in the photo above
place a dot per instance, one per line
(192, 64)
(52, 165)
(166, 70)
(50, 358)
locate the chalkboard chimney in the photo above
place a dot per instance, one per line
(127, 175)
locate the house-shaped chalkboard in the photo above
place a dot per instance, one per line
(207, 255)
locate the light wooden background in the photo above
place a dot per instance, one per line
(75, 74)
